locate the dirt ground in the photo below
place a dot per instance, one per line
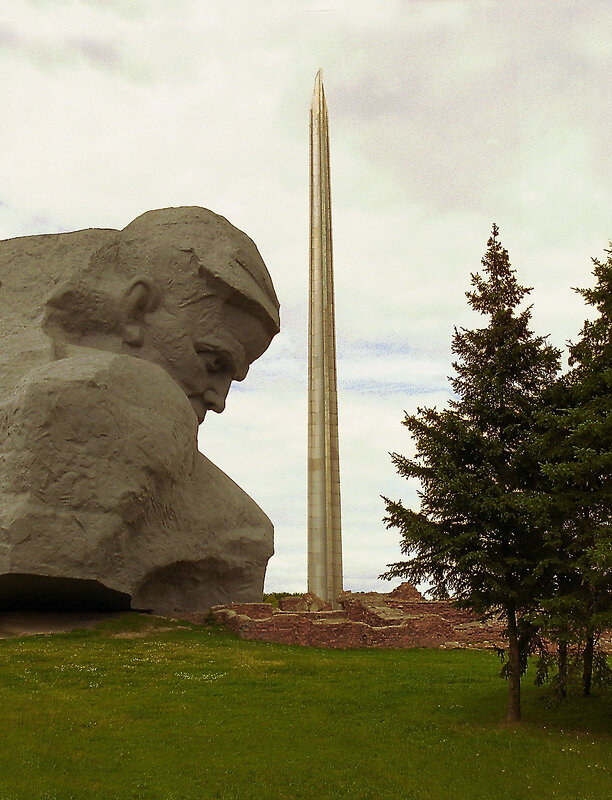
(29, 623)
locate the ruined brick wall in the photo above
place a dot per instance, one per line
(367, 619)
(401, 618)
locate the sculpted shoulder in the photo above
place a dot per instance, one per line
(95, 426)
(94, 379)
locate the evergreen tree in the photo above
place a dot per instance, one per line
(474, 537)
(575, 443)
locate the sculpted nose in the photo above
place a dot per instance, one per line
(215, 390)
(214, 401)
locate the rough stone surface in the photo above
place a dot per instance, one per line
(114, 345)
(305, 602)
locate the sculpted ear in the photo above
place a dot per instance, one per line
(139, 298)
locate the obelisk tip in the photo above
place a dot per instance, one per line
(317, 94)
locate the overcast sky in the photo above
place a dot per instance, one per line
(444, 118)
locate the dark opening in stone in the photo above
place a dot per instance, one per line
(43, 593)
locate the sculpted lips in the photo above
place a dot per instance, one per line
(197, 403)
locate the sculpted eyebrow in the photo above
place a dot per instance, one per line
(235, 356)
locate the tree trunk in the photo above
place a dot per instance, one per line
(587, 669)
(562, 677)
(514, 668)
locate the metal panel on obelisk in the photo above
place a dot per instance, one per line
(324, 531)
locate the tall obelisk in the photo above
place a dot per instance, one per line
(324, 533)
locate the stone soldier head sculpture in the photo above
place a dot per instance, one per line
(180, 287)
(111, 340)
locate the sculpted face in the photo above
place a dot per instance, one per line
(180, 287)
(204, 346)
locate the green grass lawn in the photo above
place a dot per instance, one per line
(195, 713)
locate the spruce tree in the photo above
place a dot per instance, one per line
(474, 537)
(575, 444)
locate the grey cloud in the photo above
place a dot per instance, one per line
(98, 52)
(60, 51)
(8, 36)
(448, 113)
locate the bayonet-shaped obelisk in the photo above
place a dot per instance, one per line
(324, 532)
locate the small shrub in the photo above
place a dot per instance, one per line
(272, 598)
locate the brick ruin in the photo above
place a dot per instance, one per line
(401, 618)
